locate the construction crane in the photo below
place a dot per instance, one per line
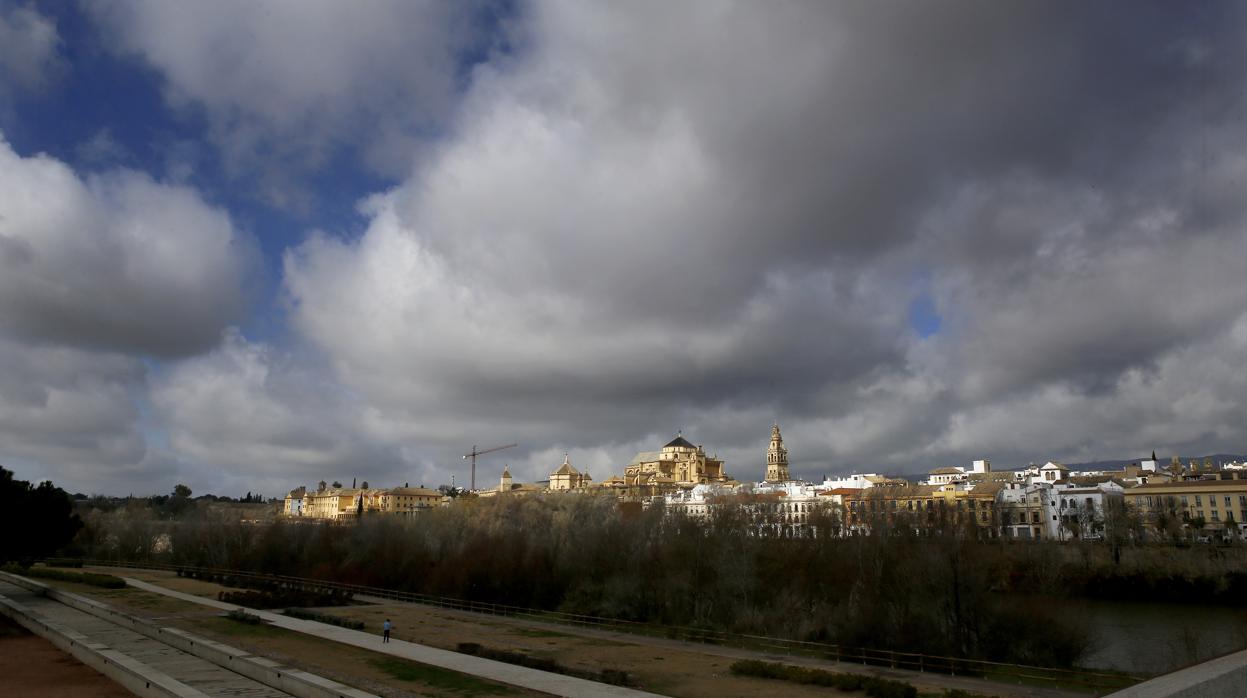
(476, 453)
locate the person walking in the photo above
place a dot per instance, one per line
(386, 629)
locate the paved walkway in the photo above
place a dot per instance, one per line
(201, 675)
(546, 682)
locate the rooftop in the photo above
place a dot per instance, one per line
(679, 442)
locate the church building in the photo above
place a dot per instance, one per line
(679, 463)
(568, 478)
(777, 458)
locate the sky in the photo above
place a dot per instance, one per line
(249, 246)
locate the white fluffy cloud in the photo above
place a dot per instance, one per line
(115, 261)
(250, 416)
(286, 83)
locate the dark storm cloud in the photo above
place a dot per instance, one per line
(638, 224)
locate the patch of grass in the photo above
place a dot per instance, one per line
(1101, 681)
(534, 632)
(106, 581)
(62, 562)
(611, 676)
(436, 677)
(226, 626)
(242, 616)
(873, 686)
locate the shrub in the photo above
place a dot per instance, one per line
(243, 617)
(324, 618)
(278, 599)
(62, 562)
(107, 581)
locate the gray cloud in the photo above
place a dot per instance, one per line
(653, 217)
(70, 415)
(29, 50)
(638, 226)
(264, 420)
(116, 261)
(286, 84)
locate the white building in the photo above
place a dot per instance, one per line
(855, 481)
(696, 502)
(1083, 511)
(957, 473)
(1027, 511)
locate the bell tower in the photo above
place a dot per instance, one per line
(776, 458)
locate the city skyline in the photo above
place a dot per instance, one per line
(247, 247)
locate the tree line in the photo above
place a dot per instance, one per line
(948, 592)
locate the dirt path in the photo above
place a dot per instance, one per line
(32, 667)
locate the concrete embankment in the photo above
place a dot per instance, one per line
(286, 679)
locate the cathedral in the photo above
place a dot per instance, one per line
(777, 458)
(679, 463)
(568, 478)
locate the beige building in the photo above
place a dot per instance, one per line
(409, 500)
(1217, 503)
(340, 504)
(777, 458)
(678, 464)
(508, 485)
(924, 506)
(568, 478)
(331, 504)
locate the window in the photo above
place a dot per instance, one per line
(1212, 501)
(1149, 500)
(1184, 502)
(1216, 515)
(1227, 501)
(1035, 517)
(1198, 503)
(1242, 500)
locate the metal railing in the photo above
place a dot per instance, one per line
(1097, 681)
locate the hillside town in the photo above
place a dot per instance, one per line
(1147, 500)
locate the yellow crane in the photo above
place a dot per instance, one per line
(474, 453)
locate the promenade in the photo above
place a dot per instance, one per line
(546, 682)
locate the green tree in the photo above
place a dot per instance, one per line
(43, 515)
(181, 490)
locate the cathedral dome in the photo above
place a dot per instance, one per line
(680, 442)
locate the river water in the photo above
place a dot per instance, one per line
(1152, 638)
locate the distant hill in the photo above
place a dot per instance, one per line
(1217, 458)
